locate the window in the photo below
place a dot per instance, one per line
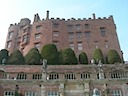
(96, 92)
(30, 93)
(78, 26)
(9, 44)
(55, 25)
(10, 35)
(26, 29)
(21, 76)
(102, 31)
(2, 75)
(80, 46)
(70, 27)
(118, 75)
(85, 76)
(9, 93)
(87, 34)
(38, 28)
(116, 93)
(52, 93)
(53, 76)
(55, 42)
(70, 76)
(37, 36)
(71, 46)
(86, 25)
(55, 33)
(71, 35)
(37, 45)
(37, 76)
(25, 38)
(79, 35)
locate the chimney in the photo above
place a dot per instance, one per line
(47, 15)
(93, 16)
(36, 18)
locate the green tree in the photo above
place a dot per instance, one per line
(50, 53)
(98, 55)
(33, 57)
(3, 55)
(67, 56)
(83, 59)
(113, 57)
(16, 58)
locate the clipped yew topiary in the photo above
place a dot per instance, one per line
(67, 57)
(16, 58)
(98, 55)
(33, 57)
(50, 53)
(3, 55)
(113, 57)
(83, 59)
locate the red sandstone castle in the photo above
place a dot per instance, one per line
(80, 35)
(64, 80)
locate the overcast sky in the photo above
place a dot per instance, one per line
(11, 11)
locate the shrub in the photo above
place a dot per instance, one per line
(33, 57)
(113, 57)
(16, 57)
(3, 55)
(83, 59)
(50, 53)
(98, 55)
(67, 56)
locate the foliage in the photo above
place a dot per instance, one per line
(67, 56)
(3, 55)
(83, 59)
(33, 57)
(16, 57)
(113, 57)
(98, 55)
(50, 53)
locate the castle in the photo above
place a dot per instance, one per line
(64, 80)
(82, 35)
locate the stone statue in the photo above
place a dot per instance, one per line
(3, 61)
(44, 64)
(92, 61)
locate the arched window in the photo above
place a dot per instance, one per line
(21, 75)
(2, 74)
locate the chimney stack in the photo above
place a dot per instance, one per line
(93, 16)
(47, 15)
(36, 18)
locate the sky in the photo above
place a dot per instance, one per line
(11, 11)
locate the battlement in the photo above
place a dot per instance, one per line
(25, 21)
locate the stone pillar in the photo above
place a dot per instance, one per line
(86, 89)
(44, 76)
(61, 89)
(7, 76)
(43, 92)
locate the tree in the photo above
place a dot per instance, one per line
(67, 56)
(16, 57)
(98, 55)
(33, 57)
(113, 57)
(50, 53)
(83, 59)
(3, 55)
